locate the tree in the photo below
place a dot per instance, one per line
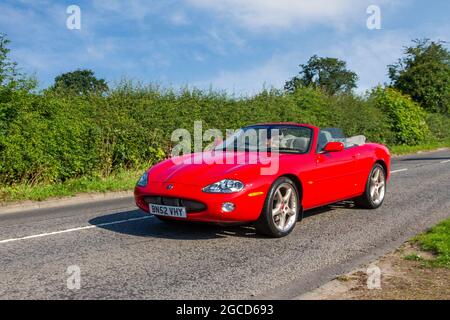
(80, 82)
(11, 80)
(8, 70)
(424, 74)
(10, 77)
(328, 74)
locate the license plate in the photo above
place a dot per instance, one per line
(168, 211)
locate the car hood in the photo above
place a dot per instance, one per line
(200, 170)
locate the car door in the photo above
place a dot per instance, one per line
(333, 177)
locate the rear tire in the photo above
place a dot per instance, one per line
(281, 209)
(375, 192)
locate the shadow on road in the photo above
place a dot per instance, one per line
(182, 230)
(175, 230)
(328, 208)
(426, 159)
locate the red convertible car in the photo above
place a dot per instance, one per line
(298, 167)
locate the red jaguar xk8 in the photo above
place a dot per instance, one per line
(269, 180)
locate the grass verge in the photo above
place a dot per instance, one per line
(121, 181)
(403, 150)
(436, 241)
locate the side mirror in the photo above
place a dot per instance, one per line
(334, 147)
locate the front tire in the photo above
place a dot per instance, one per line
(281, 209)
(375, 192)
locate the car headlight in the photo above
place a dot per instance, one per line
(224, 186)
(143, 180)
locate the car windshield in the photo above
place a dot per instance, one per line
(269, 138)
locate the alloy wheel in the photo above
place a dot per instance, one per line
(377, 186)
(284, 207)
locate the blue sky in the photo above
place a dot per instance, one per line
(234, 45)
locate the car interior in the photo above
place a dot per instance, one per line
(336, 135)
(296, 143)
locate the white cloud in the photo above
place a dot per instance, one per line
(132, 9)
(271, 73)
(261, 14)
(367, 56)
(41, 43)
(179, 18)
(370, 56)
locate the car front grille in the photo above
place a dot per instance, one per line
(190, 205)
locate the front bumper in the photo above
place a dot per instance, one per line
(248, 206)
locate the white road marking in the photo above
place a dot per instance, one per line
(445, 161)
(73, 229)
(400, 170)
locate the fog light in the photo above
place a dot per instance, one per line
(228, 207)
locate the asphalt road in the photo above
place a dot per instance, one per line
(123, 253)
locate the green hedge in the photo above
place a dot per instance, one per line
(407, 118)
(439, 125)
(46, 137)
